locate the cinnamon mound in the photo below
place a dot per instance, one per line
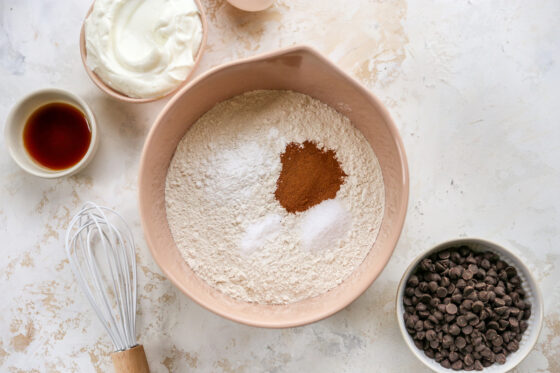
(309, 176)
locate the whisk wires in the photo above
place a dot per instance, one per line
(100, 249)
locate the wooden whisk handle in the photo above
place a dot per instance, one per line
(132, 360)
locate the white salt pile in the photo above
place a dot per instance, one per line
(324, 225)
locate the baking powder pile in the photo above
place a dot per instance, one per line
(224, 217)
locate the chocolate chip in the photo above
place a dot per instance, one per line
(460, 342)
(454, 356)
(500, 264)
(510, 271)
(428, 325)
(503, 324)
(499, 302)
(468, 290)
(477, 306)
(501, 358)
(413, 281)
(441, 292)
(470, 316)
(479, 286)
(454, 330)
(500, 291)
(512, 346)
(429, 353)
(467, 304)
(457, 298)
(478, 365)
(461, 283)
(501, 310)
(409, 292)
(467, 330)
(426, 265)
(451, 309)
(480, 325)
(468, 359)
(497, 341)
(458, 365)
(432, 285)
(449, 318)
(447, 340)
(425, 298)
(487, 353)
(491, 334)
(431, 335)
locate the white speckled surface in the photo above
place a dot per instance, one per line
(472, 86)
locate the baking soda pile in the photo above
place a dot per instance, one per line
(222, 201)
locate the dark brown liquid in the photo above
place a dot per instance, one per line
(57, 135)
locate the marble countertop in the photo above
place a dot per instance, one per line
(472, 86)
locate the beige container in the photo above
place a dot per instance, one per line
(299, 69)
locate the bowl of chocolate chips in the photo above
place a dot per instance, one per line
(469, 305)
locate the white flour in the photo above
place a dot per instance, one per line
(226, 221)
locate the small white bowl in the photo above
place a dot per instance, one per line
(533, 294)
(17, 118)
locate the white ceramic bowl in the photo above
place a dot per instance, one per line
(15, 123)
(533, 294)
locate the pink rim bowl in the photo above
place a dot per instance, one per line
(300, 69)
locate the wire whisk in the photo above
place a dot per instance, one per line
(100, 248)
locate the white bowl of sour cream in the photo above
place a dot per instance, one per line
(141, 51)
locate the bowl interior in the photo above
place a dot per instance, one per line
(122, 97)
(16, 122)
(529, 285)
(299, 69)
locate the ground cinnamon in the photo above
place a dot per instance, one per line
(309, 176)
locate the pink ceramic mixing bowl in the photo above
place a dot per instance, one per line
(299, 69)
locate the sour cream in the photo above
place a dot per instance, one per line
(143, 48)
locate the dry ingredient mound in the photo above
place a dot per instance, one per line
(226, 220)
(309, 176)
